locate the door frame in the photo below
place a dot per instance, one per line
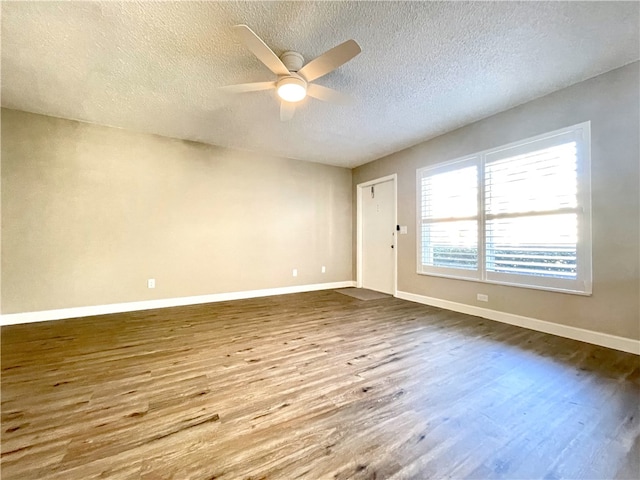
(359, 189)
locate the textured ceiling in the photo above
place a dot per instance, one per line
(425, 68)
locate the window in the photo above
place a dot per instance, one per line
(515, 215)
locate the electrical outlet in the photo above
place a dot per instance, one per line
(482, 297)
(295, 272)
(324, 269)
(151, 283)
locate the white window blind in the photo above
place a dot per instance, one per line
(449, 230)
(517, 215)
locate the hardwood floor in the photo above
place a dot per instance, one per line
(313, 385)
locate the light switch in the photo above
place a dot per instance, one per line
(403, 229)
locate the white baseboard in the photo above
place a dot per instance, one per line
(46, 315)
(589, 336)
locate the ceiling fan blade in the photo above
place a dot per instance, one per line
(330, 60)
(287, 109)
(261, 50)
(328, 94)
(248, 87)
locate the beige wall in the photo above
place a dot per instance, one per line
(89, 213)
(611, 102)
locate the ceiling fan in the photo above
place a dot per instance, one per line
(294, 81)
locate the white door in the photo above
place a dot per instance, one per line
(378, 237)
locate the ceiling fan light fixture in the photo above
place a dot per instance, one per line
(292, 89)
(295, 78)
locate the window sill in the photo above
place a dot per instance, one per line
(581, 293)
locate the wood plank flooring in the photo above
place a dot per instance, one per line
(312, 385)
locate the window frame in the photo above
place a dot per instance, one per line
(582, 284)
(464, 274)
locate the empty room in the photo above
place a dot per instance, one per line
(320, 240)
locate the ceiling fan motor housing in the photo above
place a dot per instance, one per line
(292, 60)
(292, 87)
